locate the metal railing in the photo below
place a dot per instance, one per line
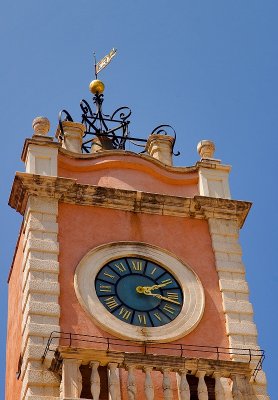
(74, 340)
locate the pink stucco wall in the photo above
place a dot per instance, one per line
(13, 347)
(126, 171)
(83, 228)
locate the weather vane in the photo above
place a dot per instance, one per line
(104, 61)
(102, 131)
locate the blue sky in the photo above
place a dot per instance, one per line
(207, 67)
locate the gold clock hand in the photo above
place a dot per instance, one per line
(159, 296)
(140, 289)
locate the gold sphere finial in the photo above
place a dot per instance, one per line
(96, 86)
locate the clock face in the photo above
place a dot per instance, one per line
(132, 290)
(139, 292)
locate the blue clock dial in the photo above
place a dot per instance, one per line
(139, 292)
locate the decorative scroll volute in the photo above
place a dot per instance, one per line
(237, 395)
(131, 383)
(219, 390)
(166, 385)
(149, 390)
(95, 380)
(202, 387)
(184, 386)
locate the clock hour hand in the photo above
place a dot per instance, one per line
(141, 289)
(159, 296)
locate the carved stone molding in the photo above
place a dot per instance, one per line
(69, 191)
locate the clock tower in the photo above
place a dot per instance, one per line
(127, 280)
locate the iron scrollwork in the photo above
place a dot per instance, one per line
(112, 130)
(163, 130)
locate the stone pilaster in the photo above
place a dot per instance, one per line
(240, 327)
(40, 306)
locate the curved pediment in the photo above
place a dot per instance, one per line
(128, 170)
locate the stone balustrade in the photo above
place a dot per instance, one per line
(119, 375)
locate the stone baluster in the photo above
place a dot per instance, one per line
(71, 379)
(114, 382)
(95, 380)
(184, 386)
(202, 387)
(219, 390)
(167, 385)
(149, 390)
(131, 383)
(236, 392)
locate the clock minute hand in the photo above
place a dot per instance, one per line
(159, 296)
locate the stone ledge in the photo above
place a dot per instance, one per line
(156, 361)
(69, 191)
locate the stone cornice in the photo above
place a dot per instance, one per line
(158, 362)
(69, 191)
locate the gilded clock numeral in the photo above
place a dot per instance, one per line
(153, 271)
(105, 288)
(167, 281)
(121, 267)
(108, 275)
(169, 308)
(137, 265)
(157, 315)
(111, 302)
(125, 313)
(142, 319)
(172, 296)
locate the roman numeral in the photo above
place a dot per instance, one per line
(172, 296)
(105, 288)
(153, 271)
(137, 265)
(121, 267)
(125, 313)
(157, 315)
(142, 319)
(167, 281)
(111, 302)
(169, 308)
(109, 275)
